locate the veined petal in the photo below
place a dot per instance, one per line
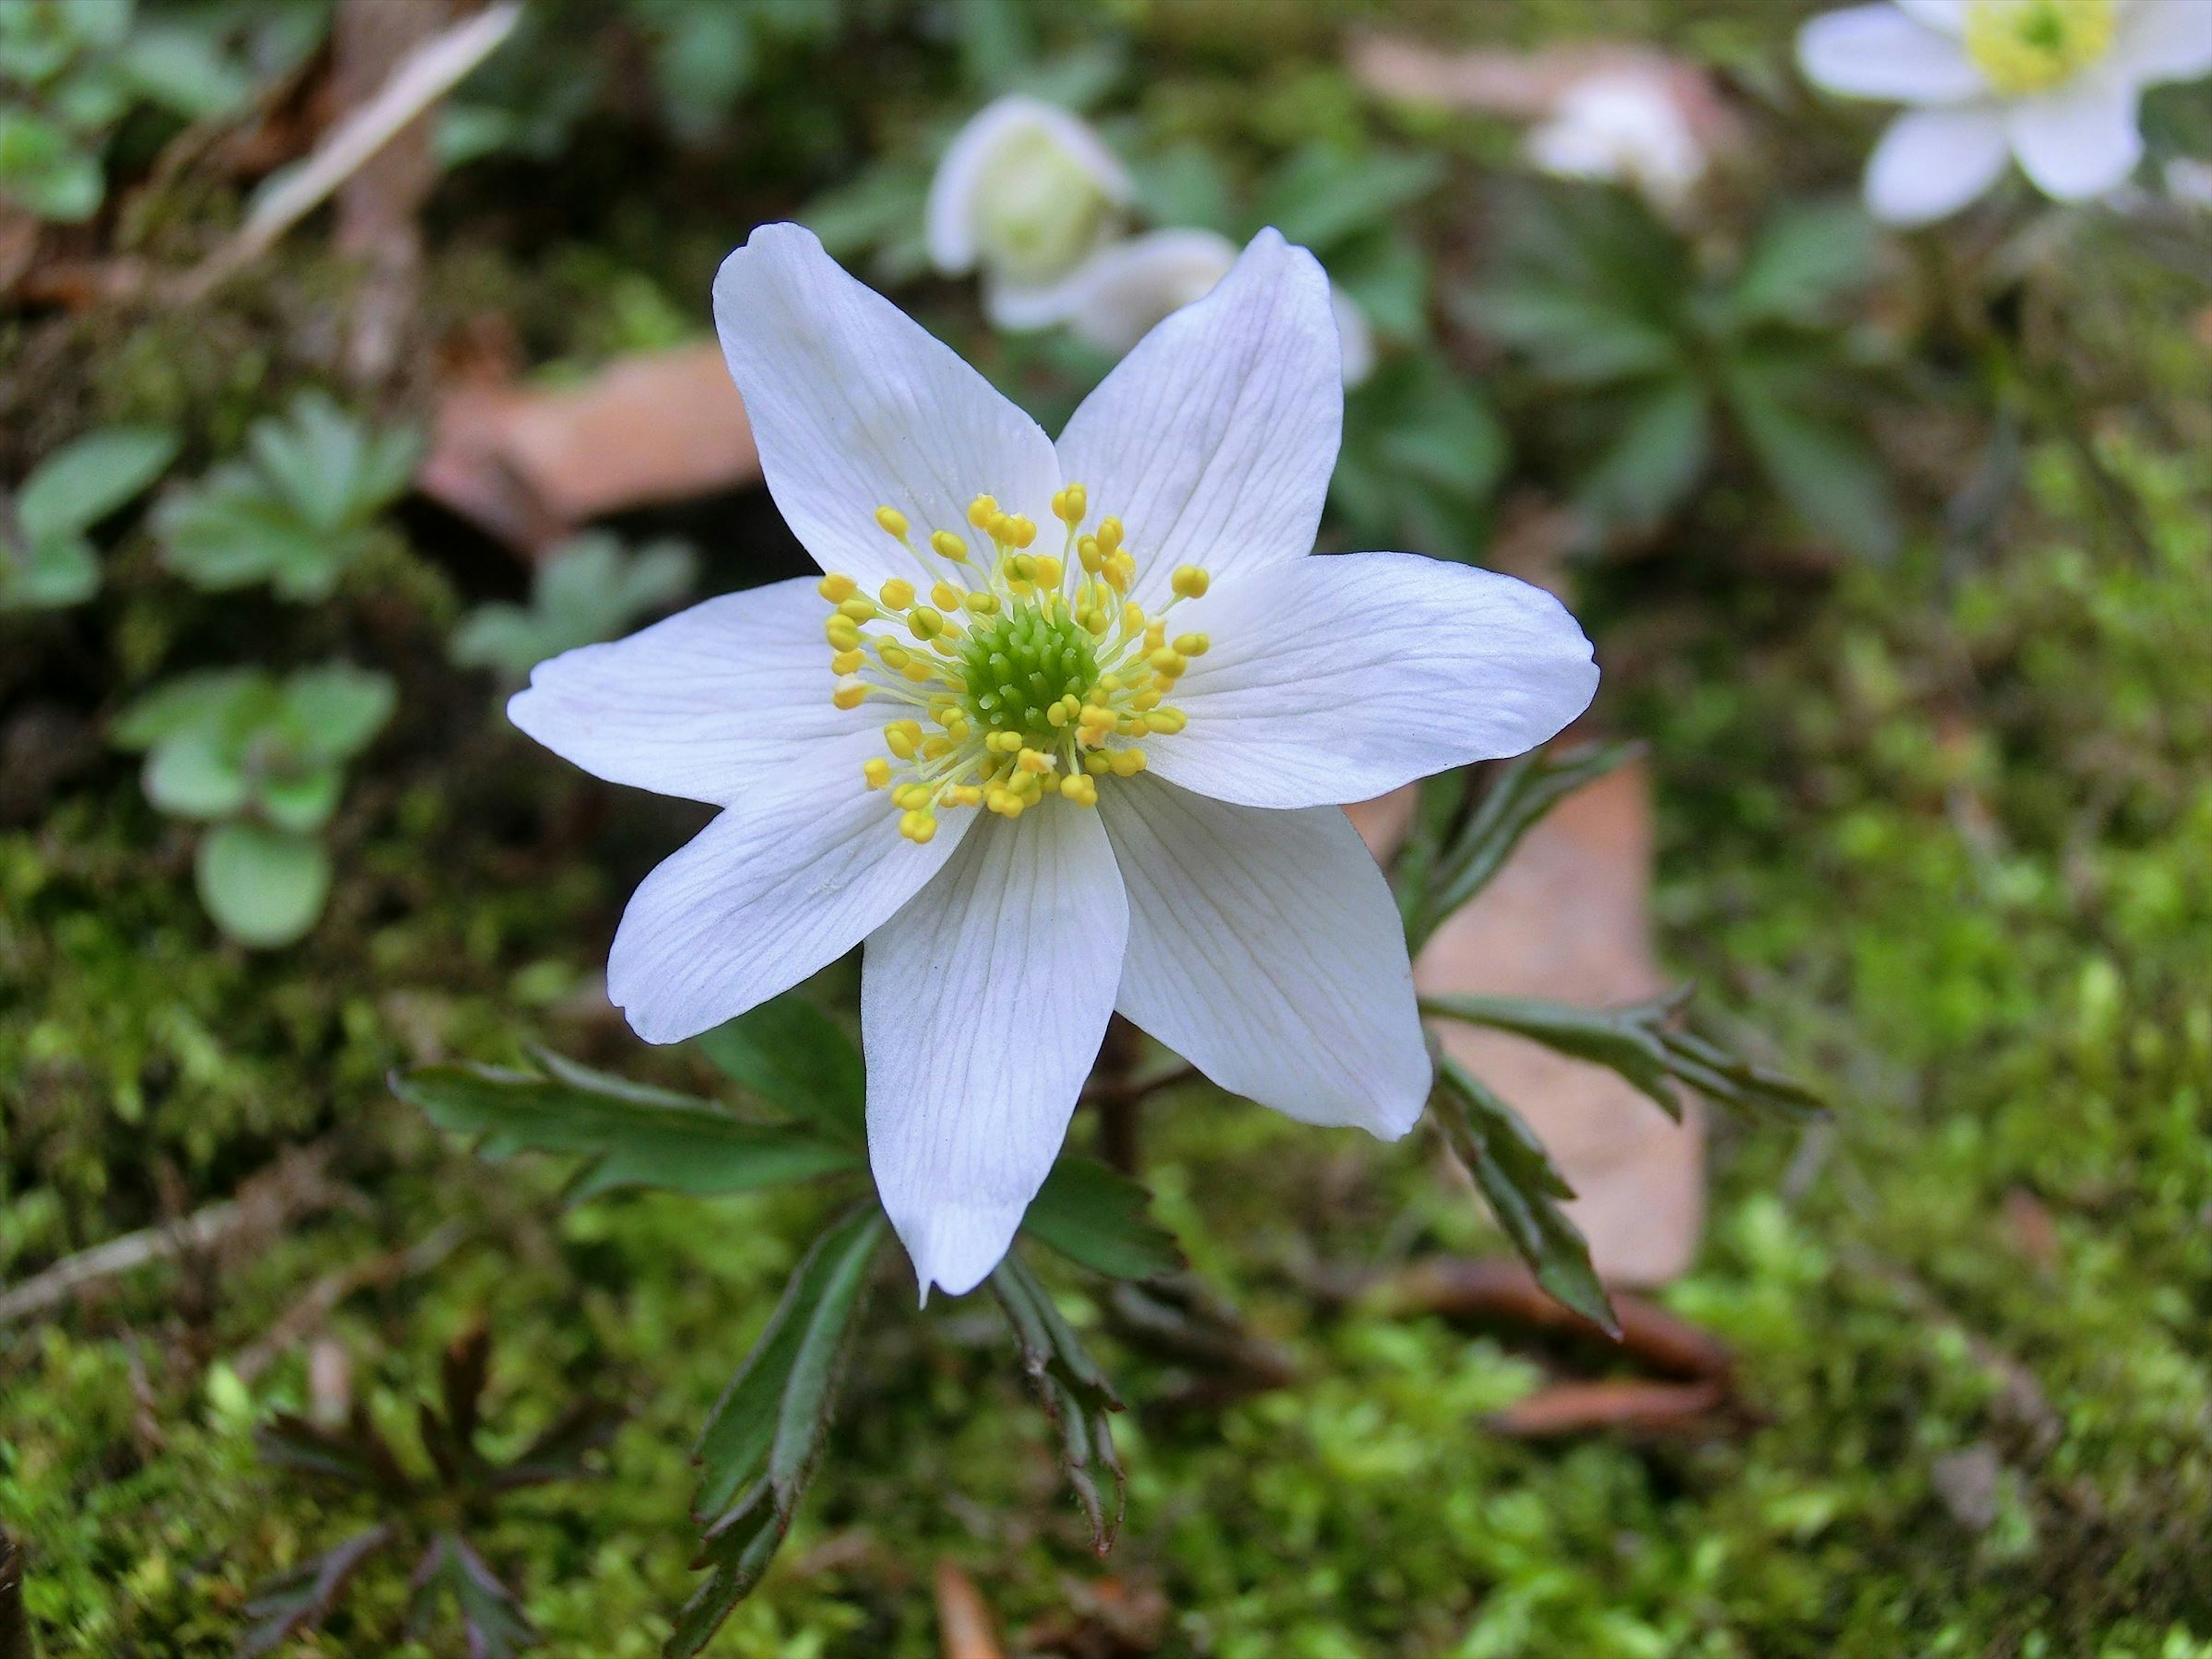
(1338, 678)
(705, 705)
(983, 1005)
(1264, 948)
(781, 884)
(1877, 51)
(2080, 140)
(1213, 440)
(855, 406)
(2164, 40)
(1931, 162)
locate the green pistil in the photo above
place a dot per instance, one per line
(1020, 663)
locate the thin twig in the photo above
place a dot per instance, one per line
(324, 1297)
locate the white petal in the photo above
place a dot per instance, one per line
(1339, 677)
(1949, 16)
(1355, 341)
(1877, 51)
(1932, 162)
(2080, 140)
(1213, 440)
(781, 884)
(1129, 289)
(705, 705)
(983, 1005)
(1264, 948)
(855, 406)
(2164, 40)
(950, 216)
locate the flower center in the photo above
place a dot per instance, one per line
(2024, 46)
(1041, 209)
(1028, 675)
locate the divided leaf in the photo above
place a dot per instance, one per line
(84, 481)
(760, 1448)
(629, 1135)
(491, 1615)
(1100, 1219)
(794, 1055)
(1074, 1391)
(304, 1597)
(1523, 1189)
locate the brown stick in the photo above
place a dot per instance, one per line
(1614, 1403)
(323, 1297)
(1492, 1289)
(964, 1618)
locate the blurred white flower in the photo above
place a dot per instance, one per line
(2052, 82)
(1625, 125)
(1026, 191)
(1127, 286)
(1049, 839)
(2189, 181)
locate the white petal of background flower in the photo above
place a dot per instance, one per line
(2164, 40)
(709, 705)
(1948, 16)
(1932, 162)
(855, 406)
(2078, 139)
(1626, 125)
(778, 887)
(1213, 440)
(1877, 51)
(1264, 948)
(953, 211)
(983, 1005)
(1340, 676)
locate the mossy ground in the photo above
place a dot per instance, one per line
(1939, 835)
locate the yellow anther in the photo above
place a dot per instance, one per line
(1097, 762)
(982, 605)
(918, 671)
(1056, 717)
(894, 655)
(1078, 788)
(1021, 530)
(946, 545)
(945, 597)
(1071, 503)
(1033, 760)
(897, 593)
(1120, 571)
(1048, 571)
(1190, 582)
(1148, 698)
(936, 749)
(860, 607)
(1132, 617)
(877, 772)
(910, 795)
(848, 662)
(1110, 535)
(834, 587)
(902, 738)
(1086, 550)
(1127, 763)
(925, 623)
(1155, 635)
(1168, 661)
(1193, 645)
(840, 632)
(1167, 721)
(981, 511)
(917, 826)
(1022, 566)
(1000, 527)
(850, 692)
(892, 520)
(964, 794)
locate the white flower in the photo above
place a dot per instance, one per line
(2053, 82)
(1127, 288)
(1027, 191)
(1626, 125)
(1050, 775)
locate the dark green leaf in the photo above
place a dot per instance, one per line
(1822, 468)
(1807, 257)
(1074, 1390)
(1655, 459)
(631, 1135)
(558, 1452)
(1516, 1178)
(1324, 193)
(204, 702)
(794, 1055)
(357, 1455)
(761, 1446)
(84, 481)
(1101, 1219)
(1524, 790)
(303, 1598)
(338, 708)
(1576, 339)
(491, 1618)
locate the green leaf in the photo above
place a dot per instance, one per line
(1823, 469)
(203, 702)
(233, 529)
(1656, 460)
(197, 774)
(44, 170)
(1324, 192)
(84, 481)
(302, 1598)
(629, 1134)
(794, 1055)
(1807, 257)
(183, 70)
(587, 590)
(491, 1618)
(761, 1446)
(302, 802)
(1517, 1180)
(264, 887)
(1102, 1220)
(52, 574)
(339, 708)
(1074, 1391)
(1577, 339)
(1523, 791)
